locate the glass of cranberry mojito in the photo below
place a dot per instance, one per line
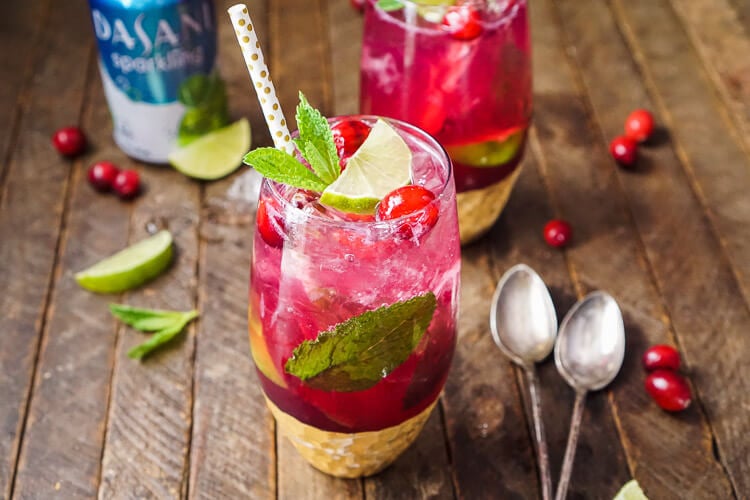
(353, 295)
(461, 71)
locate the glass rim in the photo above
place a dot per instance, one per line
(440, 194)
(504, 16)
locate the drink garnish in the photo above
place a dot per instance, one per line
(166, 325)
(315, 141)
(492, 152)
(380, 165)
(356, 354)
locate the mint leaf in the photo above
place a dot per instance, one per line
(161, 337)
(283, 167)
(145, 320)
(389, 5)
(356, 354)
(205, 99)
(315, 141)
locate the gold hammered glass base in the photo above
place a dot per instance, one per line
(478, 209)
(349, 455)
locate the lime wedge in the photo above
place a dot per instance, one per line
(130, 267)
(381, 164)
(491, 153)
(631, 491)
(215, 154)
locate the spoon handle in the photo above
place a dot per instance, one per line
(570, 449)
(541, 440)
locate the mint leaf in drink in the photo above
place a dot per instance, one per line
(145, 320)
(390, 5)
(315, 141)
(162, 336)
(356, 354)
(282, 167)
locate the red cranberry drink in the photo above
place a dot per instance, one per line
(461, 71)
(353, 289)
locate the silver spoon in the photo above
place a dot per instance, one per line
(588, 355)
(524, 326)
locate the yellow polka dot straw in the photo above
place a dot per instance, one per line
(258, 70)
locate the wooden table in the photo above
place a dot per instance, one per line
(670, 240)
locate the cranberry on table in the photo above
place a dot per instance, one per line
(639, 125)
(557, 233)
(269, 225)
(358, 4)
(463, 22)
(406, 200)
(69, 141)
(348, 135)
(127, 184)
(624, 150)
(668, 389)
(102, 174)
(661, 356)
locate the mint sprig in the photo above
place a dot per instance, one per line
(315, 143)
(166, 325)
(356, 354)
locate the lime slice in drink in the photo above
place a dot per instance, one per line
(381, 164)
(215, 154)
(489, 153)
(130, 267)
(631, 491)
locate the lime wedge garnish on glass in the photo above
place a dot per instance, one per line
(489, 153)
(631, 491)
(215, 154)
(130, 267)
(381, 164)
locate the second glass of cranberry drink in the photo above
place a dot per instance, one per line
(460, 70)
(353, 315)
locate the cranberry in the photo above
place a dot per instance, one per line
(463, 22)
(69, 141)
(127, 184)
(624, 150)
(668, 389)
(557, 233)
(358, 4)
(411, 199)
(661, 356)
(102, 175)
(348, 135)
(270, 225)
(639, 125)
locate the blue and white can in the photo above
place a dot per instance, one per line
(147, 50)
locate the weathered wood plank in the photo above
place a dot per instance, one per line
(31, 210)
(20, 24)
(698, 287)
(148, 431)
(706, 143)
(743, 10)
(345, 35)
(233, 446)
(64, 433)
(491, 452)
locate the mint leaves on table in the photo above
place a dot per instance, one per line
(315, 143)
(165, 324)
(356, 354)
(205, 100)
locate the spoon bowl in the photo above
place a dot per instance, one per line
(522, 316)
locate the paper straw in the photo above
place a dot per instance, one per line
(261, 78)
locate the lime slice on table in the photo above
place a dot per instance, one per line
(130, 267)
(381, 164)
(490, 153)
(631, 491)
(215, 154)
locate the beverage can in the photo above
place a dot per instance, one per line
(155, 57)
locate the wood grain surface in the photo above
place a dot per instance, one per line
(669, 240)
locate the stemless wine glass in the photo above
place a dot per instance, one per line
(460, 70)
(385, 293)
